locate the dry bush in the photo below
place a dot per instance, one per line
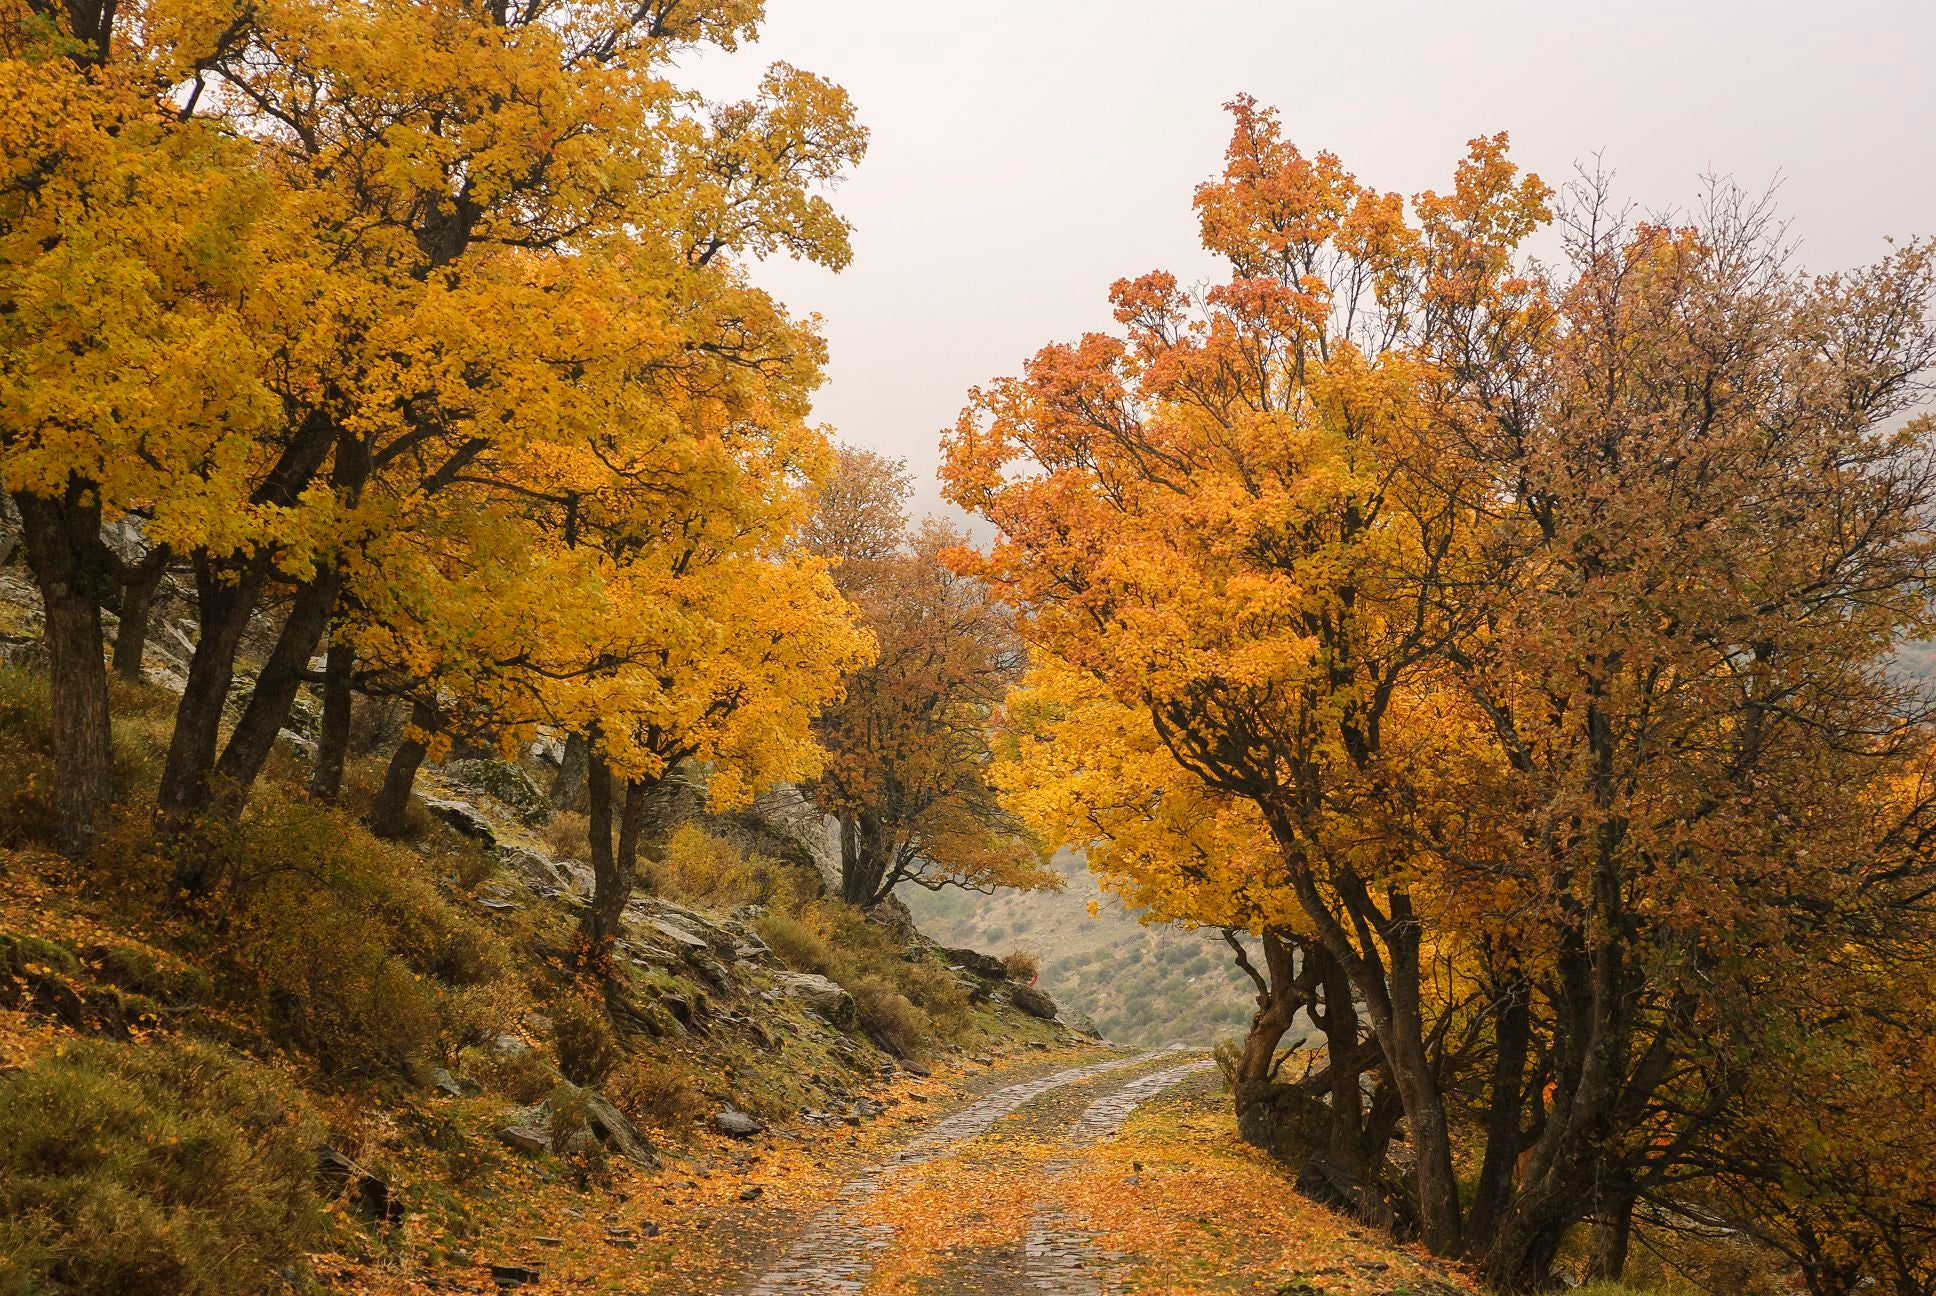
(1022, 966)
(163, 1167)
(888, 1015)
(582, 1034)
(700, 869)
(342, 944)
(568, 835)
(798, 946)
(524, 1077)
(655, 1093)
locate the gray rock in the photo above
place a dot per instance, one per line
(985, 966)
(610, 1127)
(825, 999)
(445, 1082)
(464, 817)
(1036, 1003)
(526, 1138)
(1079, 1022)
(503, 781)
(737, 1124)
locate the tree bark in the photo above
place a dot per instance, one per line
(333, 735)
(1511, 1037)
(1606, 1256)
(275, 692)
(64, 553)
(645, 820)
(131, 640)
(570, 779)
(390, 816)
(227, 598)
(865, 856)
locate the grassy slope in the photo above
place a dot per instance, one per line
(1141, 985)
(345, 970)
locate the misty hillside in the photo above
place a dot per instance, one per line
(1140, 985)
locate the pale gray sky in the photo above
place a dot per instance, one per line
(1027, 153)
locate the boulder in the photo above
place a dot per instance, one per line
(464, 817)
(985, 966)
(823, 998)
(610, 1127)
(1036, 1003)
(505, 782)
(737, 1124)
(1073, 1020)
(526, 1137)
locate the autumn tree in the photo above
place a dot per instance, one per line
(126, 366)
(1543, 620)
(908, 744)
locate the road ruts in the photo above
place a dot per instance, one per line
(1059, 1259)
(836, 1252)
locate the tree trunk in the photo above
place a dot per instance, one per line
(1511, 1037)
(275, 692)
(865, 854)
(645, 820)
(333, 735)
(390, 816)
(570, 779)
(227, 598)
(1612, 1229)
(64, 552)
(131, 640)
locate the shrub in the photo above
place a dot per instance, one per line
(656, 1093)
(797, 945)
(523, 1077)
(163, 1168)
(343, 944)
(888, 1015)
(568, 835)
(700, 869)
(587, 1048)
(1022, 967)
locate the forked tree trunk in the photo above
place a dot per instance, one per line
(645, 820)
(390, 816)
(333, 734)
(131, 640)
(226, 597)
(866, 855)
(276, 686)
(65, 554)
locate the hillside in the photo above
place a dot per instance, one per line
(1143, 985)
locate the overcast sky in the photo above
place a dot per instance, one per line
(1027, 153)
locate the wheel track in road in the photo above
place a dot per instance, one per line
(836, 1251)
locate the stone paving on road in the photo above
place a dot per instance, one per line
(842, 1245)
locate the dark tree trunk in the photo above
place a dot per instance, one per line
(1606, 1256)
(131, 640)
(65, 554)
(645, 819)
(866, 855)
(274, 693)
(227, 597)
(570, 779)
(1511, 1036)
(1416, 1079)
(333, 734)
(390, 816)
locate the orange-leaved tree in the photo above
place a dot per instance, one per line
(908, 742)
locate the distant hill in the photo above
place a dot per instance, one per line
(1153, 985)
